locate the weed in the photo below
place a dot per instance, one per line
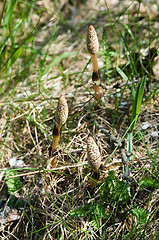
(13, 184)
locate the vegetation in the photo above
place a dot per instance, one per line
(44, 55)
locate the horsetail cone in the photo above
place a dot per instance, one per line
(93, 154)
(92, 40)
(93, 47)
(61, 111)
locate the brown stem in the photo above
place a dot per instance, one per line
(94, 178)
(56, 137)
(96, 90)
(95, 62)
(96, 76)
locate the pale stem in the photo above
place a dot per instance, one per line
(95, 62)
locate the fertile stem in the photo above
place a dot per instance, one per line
(60, 119)
(93, 47)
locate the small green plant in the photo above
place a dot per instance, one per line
(14, 184)
(95, 213)
(149, 182)
(140, 214)
(114, 192)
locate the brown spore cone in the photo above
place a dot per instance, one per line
(92, 40)
(61, 111)
(93, 154)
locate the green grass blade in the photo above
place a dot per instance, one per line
(58, 59)
(9, 15)
(122, 74)
(137, 103)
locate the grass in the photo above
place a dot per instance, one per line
(42, 56)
